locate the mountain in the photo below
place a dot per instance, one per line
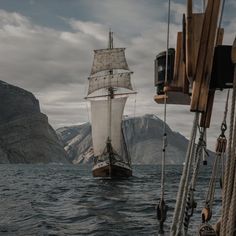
(143, 136)
(25, 134)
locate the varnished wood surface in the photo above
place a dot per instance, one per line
(205, 57)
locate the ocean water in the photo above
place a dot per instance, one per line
(67, 200)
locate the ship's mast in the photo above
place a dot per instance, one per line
(110, 97)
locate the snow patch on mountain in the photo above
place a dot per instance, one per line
(144, 138)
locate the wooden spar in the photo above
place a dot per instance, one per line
(205, 57)
(206, 116)
(177, 65)
(197, 32)
(233, 53)
(106, 95)
(189, 40)
(193, 34)
(220, 36)
(180, 79)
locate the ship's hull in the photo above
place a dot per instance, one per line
(114, 170)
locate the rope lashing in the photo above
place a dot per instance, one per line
(202, 145)
(205, 153)
(189, 210)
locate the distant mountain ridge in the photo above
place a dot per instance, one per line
(143, 137)
(25, 135)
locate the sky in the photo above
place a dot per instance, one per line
(46, 47)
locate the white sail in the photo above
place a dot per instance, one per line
(109, 59)
(99, 115)
(115, 80)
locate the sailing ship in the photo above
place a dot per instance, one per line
(110, 75)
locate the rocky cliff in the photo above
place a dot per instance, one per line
(144, 141)
(25, 135)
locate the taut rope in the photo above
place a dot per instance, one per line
(231, 191)
(190, 203)
(229, 176)
(161, 206)
(184, 182)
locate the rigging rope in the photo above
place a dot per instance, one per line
(230, 166)
(229, 176)
(221, 13)
(207, 210)
(184, 182)
(134, 130)
(165, 105)
(185, 193)
(222, 141)
(161, 206)
(203, 5)
(86, 102)
(135, 104)
(220, 151)
(231, 226)
(190, 203)
(205, 153)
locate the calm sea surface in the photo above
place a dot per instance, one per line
(67, 200)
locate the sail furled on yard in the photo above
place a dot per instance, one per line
(109, 59)
(99, 115)
(114, 80)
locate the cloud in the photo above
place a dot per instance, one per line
(54, 63)
(31, 2)
(91, 29)
(126, 17)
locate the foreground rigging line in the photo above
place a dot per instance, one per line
(229, 168)
(161, 206)
(177, 221)
(190, 202)
(231, 191)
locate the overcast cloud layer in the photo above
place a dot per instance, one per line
(47, 48)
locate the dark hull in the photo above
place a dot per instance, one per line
(112, 171)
